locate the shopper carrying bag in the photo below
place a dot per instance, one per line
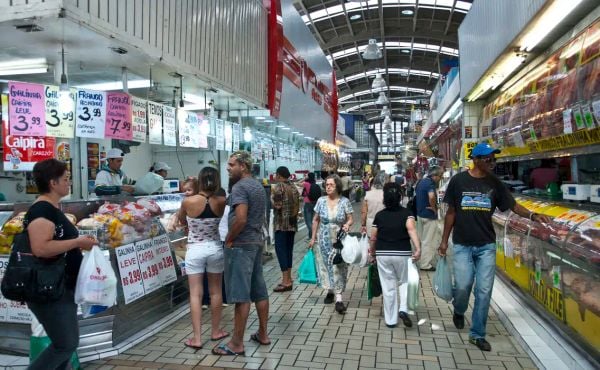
(307, 272)
(96, 282)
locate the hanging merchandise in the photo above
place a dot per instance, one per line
(155, 123)
(90, 114)
(189, 129)
(169, 126)
(118, 116)
(236, 137)
(220, 134)
(60, 120)
(138, 119)
(26, 111)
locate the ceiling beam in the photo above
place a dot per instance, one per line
(450, 18)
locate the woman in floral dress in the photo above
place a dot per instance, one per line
(332, 212)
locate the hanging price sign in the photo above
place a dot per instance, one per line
(164, 256)
(155, 123)
(118, 116)
(90, 114)
(189, 129)
(138, 119)
(204, 131)
(129, 272)
(220, 134)
(26, 112)
(169, 126)
(60, 121)
(228, 136)
(148, 263)
(236, 136)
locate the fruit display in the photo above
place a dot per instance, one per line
(15, 225)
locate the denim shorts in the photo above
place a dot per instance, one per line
(244, 280)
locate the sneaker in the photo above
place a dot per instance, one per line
(390, 326)
(329, 298)
(405, 319)
(459, 321)
(340, 308)
(481, 343)
(204, 306)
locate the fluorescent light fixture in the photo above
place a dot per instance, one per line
(382, 99)
(372, 51)
(285, 128)
(504, 68)
(405, 51)
(116, 85)
(408, 12)
(378, 82)
(280, 126)
(355, 17)
(452, 111)
(550, 17)
(259, 118)
(295, 132)
(23, 67)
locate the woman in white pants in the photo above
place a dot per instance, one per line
(393, 230)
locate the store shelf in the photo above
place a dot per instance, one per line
(568, 152)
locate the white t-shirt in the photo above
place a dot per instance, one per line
(106, 178)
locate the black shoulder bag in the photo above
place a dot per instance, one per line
(32, 279)
(337, 248)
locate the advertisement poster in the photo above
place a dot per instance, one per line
(26, 111)
(118, 116)
(220, 134)
(138, 119)
(148, 263)
(59, 123)
(166, 264)
(129, 272)
(189, 130)
(155, 123)
(22, 152)
(169, 126)
(236, 136)
(90, 114)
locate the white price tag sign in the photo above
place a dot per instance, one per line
(129, 272)
(148, 265)
(3, 301)
(166, 263)
(155, 123)
(169, 126)
(90, 114)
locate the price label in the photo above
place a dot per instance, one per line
(169, 126)
(3, 301)
(588, 117)
(236, 136)
(129, 272)
(567, 121)
(118, 116)
(166, 263)
(60, 118)
(189, 129)
(92, 232)
(90, 114)
(155, 123)
(148, 263)
(26, 111)
(138, 119)
(220, 134)
(228, 136)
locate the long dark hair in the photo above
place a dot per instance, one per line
(391, 196)
(209, 180)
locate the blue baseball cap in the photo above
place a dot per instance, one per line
(483, 149)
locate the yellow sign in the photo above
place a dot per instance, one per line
(579, 138)
(550, 297)
(468, 149)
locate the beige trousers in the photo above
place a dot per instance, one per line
(430, 234)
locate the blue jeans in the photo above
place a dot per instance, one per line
(284, 248)
(309, 213)
(471, 264)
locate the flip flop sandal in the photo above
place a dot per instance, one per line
(283, 288)
(226, 351)
(256, 338)
(188, 343)
(219, 338)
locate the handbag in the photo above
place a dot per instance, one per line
(373, 283)
(337, 248)
(32, 279)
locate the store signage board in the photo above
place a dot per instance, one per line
(59, 122)
(90, 114)
(139, 123)
(148, 263)
(155, 123)
(118, 116)
(189, 129)
(220, 134)
(26, 111)
(166, 265)
(129, 272)
(236, 137)
(169, 126)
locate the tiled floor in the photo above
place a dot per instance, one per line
(306, 333)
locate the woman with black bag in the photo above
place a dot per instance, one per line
(332, 214)
(52, 235)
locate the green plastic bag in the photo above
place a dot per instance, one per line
(38, 344)
(373, 283)
(307, 272)
(413, 286)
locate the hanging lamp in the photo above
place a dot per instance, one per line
(382, 99)
(372, 51)
(384, 112)
(378, 82)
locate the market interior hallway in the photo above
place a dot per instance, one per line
(306, 333)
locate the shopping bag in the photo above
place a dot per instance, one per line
(364, 251)
(373, 283)
(442, 281)
(413, 286)
(38, 341)
(96, 282)
(307, 273)
(351, 251)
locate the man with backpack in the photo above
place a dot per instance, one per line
(311, 193)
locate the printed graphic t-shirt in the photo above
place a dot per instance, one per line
(475, 200)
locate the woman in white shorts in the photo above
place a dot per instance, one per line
(202, 213)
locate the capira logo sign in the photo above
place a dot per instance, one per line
(25, 142)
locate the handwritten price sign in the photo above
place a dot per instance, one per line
(138, 119)
(166, 265)
(169, 126)
(155, 123)
(129, 271)
(90, 114)
(60, 121)
(148, 263)
(26, 111)
(118, 116)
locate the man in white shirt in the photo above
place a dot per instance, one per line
(109, 181)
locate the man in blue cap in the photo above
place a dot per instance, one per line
(472, 197)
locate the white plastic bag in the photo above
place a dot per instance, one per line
(413, 286)
(96, 282)
(351, 251)
(364, 251)
(442, 280)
